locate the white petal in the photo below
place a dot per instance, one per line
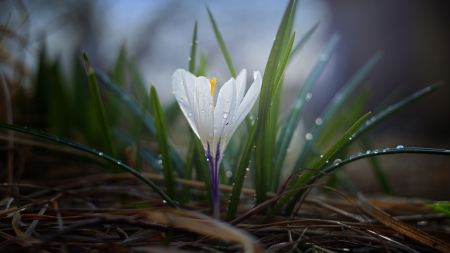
(203, 114)
(241, 81)
(183, 86)
(248, 101)
(224, 113)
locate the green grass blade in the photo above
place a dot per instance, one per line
(94, 152)
(120, 68)
(222, 45)
(333, 107)
(100, 111)
(161, 130)
(380, 152)
(185, 192)
(240, 175)
(391, 110)
(140, 90)
(138, 133)
(202, 168)
(303, 40)
(192, 58)
(289, 127)
(292, 198)
(382, 178)
(442, 207)
(135, 108)
(264, 144)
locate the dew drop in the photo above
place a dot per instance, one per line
(190, 114)
(337, 161)
(326, 161)
(225, 115)
(375, 151)
(384, 150)
(160, 161)
(189, 58)
(308, 136)
(350, 138)
(159, 156)
(318, 121)
(400, 147)
(368, 151)
(215, 129)
(308, 96)
(321, 156)
(352, 157)
(119, 162)
(100, 153)
(229, 174)
(247, 169)
(181, 100)
(164, 201)
(203, 111)
(359, 154)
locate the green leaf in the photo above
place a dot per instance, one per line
(293, 119)
(100, 111)
(222, 45)
(135, 108)
(94, 152)
(333, 107)
(240, 175)
(193, 50)
(443, 207)
(308, 174)
(382, 178)
(274, 70)
(303, 41)
(160, 122)
(391, 110)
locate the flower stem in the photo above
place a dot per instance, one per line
(214, 166)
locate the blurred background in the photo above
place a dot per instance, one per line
(414, 37)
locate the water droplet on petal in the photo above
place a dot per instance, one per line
(225, 115)
(400, 147)
(181, 100)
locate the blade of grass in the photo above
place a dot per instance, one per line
(222, 45)
(100, 111)
(263, 134)
(81, 147)
(335, 104)
(135, 108)
(306, 175)
(138, 133)
(192, 58)
(289, 127)
(161, 130)
(303, 40)
(240, 175)
(391, 110)
(382, 178)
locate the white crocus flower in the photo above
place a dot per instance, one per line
(214, 124)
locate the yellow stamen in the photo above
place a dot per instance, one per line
(213, 84)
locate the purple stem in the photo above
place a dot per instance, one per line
(214, 166)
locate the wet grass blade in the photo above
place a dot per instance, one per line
(192, 58)
(161, 130)
(391, 110)
(100, 111)
(333, 107)
(382, 178)
(293, 119)
(380, 152)
(239, 176)
(222, 45)
(103, 156)
(273, 71)
(135, 108)
(303, 40)
(293, 198)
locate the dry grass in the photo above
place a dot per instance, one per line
(115, 213)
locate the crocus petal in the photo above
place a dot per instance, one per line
(241, 81)
(202, 109)
(248, 101)
(224, 113)
(183, 86)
